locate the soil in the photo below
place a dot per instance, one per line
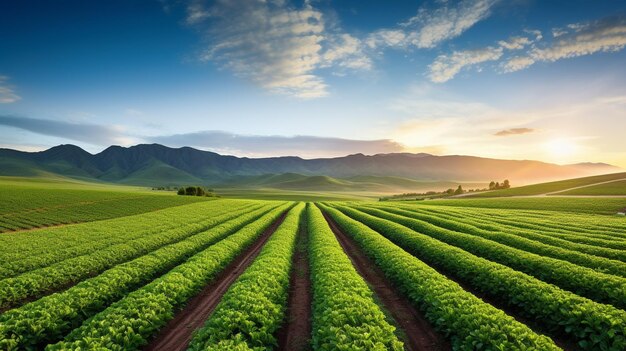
(177, 334)
(417, 333)
(295, 334)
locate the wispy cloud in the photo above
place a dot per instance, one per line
(7, 92)
(93, 134)
(445, 67)
(260, 145)
(514, 131)
(276, 45)
(578, 39)
(430, 26)
(515, 43)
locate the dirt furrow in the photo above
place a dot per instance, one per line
(295, 333)
(418, 334)
(177, 334)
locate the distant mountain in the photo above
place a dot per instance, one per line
(156, 164)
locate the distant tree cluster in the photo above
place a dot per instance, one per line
(195, 191)
(496, 185)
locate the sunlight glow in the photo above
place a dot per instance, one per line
(561, 147)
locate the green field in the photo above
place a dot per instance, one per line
(600, 205)
(153, 271)
(610, 189)
(544, 188)
(39, 202)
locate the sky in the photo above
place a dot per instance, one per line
(514, 79)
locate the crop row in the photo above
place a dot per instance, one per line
(85, 211)
(535, 246)
(37, 283)
(51, 317)
(583, 281)
(138, 241)
(469, 322)
(537, 236)
(343, 307)
(18, 246)
(129, 323)
(592, 325)
(253, 308)
(581, 225)
(573, 230)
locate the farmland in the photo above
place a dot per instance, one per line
(237, 274)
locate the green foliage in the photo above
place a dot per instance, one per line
(613, 188)
(130, 322)
(561, 204)
(33, 205)
(467, 320)
(345, 316)
(592, 325)
(253, 308)
(49, 318)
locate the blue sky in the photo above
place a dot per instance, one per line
(508, 79)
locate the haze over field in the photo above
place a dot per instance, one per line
(499, 79)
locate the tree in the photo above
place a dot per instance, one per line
(450, 191)
(497, 185)
(181, 191)
(492, 185)
(458, 191)
(190, 190)
(506, 184)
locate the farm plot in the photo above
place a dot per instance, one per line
(35, 206)
(270, 275)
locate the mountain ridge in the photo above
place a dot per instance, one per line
(156, 164)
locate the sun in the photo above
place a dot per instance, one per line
(561, 147)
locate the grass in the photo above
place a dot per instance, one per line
(293, 195)
(38, 202)
(603, 205)
(543, 188)
(613, 188)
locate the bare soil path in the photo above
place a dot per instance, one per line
(177, 334)
(418, 334)
(295, 334)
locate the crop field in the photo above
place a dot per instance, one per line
(612, 188)
(232, 274)
(27, 205)
(552, 187)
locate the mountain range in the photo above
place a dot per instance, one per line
(157, 165)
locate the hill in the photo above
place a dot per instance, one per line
(605, 184)
(156, 164)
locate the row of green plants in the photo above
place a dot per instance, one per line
(344, 313)
(112, 239)
(534, 235)
(88, 210)
(253, 308)
(39, 282)
(467, 321)
(593, 326)
(604, 288)
(536, 246)
(130, 322)
(23, 245)
(574, 233)
(50, 318)
(555, 222)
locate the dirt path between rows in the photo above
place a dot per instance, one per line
(295, 334)
(177, 334)
(418, 334)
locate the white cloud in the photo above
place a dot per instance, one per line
(346, 51)
(7, 94)
(602, 36)
(515, 43)
(276, 45)
(608, 35)
(430, 27)
(516, 63)
(445, 67)
(535, 32)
